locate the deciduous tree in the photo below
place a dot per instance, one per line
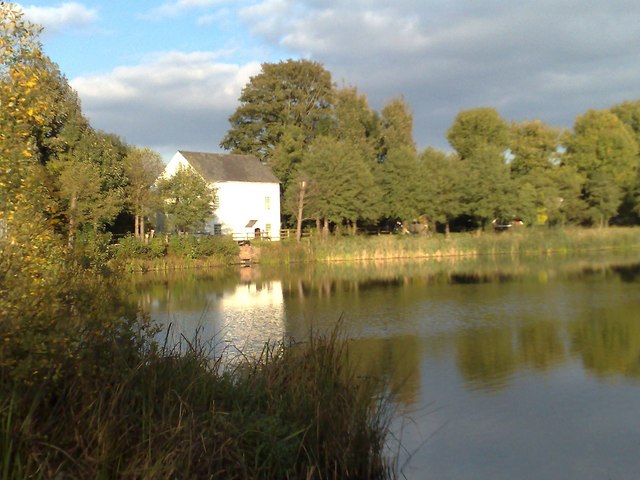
(189, 201)
(604, 151)
(480, 136)
(289, 93)
(341, 187)
(142, 167)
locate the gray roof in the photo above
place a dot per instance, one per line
(222, 167)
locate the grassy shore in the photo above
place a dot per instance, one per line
(293, 412)
(86, 392)
(534, 241)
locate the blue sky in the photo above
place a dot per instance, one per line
(167, 74)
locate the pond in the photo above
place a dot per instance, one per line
(523, 368)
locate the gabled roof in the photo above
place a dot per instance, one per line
(221, 167)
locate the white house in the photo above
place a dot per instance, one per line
(248, 192)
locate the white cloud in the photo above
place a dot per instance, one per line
(551, 59)
(67, 15)
(172, 100)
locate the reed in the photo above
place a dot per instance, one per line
(525, 241)
(294, 411)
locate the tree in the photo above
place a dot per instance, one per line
(604, 151)
(629, 113)
(534, 149)
(339, 185)
(188, 200)
(356, 122)
(440, 193)
(142, 167)
(477, 129)
(398, 169)
(397, 126)
(480, 136)
(291, 93)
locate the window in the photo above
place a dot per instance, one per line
(267, 203)
(267, 229)
(217, 229)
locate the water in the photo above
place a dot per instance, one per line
(503, 368)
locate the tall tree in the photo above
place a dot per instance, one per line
(476, 129)
(355, 121)
(440, 193)
(629, 113)
(480, 136)
(142, 167)
(604, 151)
(398, 163)
(534, 149)
(397, 126)
(340, 186)
(189, 201)
(289, 93)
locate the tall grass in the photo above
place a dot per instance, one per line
(295, 411)
(525, 241)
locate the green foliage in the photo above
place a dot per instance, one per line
(397, 173)
(132, 247)
(629, 113)
(341, 186)
(400, 182)
(440, 192)
(202, 246)
(142, 167)
(294, 412)
(92, 249)
(396, 126)
(189, 201)
(534, 149)
(289, 93)
(480, 137)
(355, 121)
(604, 151)
(478, 129)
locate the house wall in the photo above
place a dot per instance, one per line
(176, 162)
(241, 202)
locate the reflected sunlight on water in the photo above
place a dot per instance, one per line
(523, 370)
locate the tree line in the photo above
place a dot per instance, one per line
(343, 165)
(60, 175)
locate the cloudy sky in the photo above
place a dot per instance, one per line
(167, 74)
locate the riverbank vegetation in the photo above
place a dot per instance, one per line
(518, 241)
(86, 393)
(85, 389)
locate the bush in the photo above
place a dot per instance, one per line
(92, 249)
(193, 247)
(130, 247)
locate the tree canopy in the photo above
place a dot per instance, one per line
(188, 201)
(292, 93)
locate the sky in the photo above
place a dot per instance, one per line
(167, 74)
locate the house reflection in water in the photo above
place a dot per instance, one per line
(253, 314)
(238, 310)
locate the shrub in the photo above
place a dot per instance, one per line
(91, 248)
(130, 247)
(193, 247)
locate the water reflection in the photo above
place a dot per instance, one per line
(223, 307)
(495, 321)
(512, 360)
